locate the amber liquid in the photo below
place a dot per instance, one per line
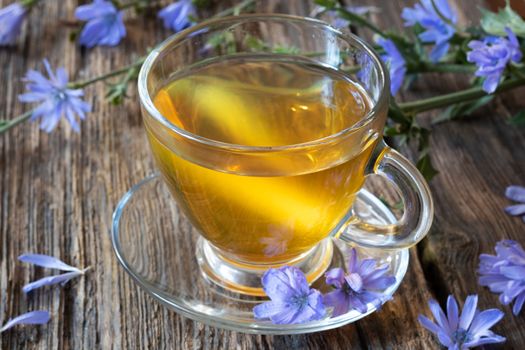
(254, 218)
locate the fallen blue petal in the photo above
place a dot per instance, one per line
(33, 317)
(515, 193)
(47, 261)
(51, 280)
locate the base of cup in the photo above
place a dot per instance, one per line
(243, 278)
(155, 244)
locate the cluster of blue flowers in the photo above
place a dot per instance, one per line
(104, 21)
(104, 27)
(491, 56)
(293, 301)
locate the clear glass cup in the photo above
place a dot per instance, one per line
(258, 207)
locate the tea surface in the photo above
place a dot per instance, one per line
(263, 219)
(262, 103)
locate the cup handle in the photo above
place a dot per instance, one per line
(419, 209)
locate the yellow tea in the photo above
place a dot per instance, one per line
(266, 103)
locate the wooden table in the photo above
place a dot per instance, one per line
(58, 191)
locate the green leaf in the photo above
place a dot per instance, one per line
(254, 43)
(117, 93)
(396, 114)
(462, 109)
(286, 50)
(517, 119)
(326, 3)
(3, 122)
(391, 131)
(425, 166)
(74, 35)
(201, 4)
(495, 23)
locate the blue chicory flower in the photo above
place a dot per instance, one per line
(104, 24)
(396, 64)
(361, 286)
(470, 329)
(33, 317)
(57, 100)
(437, 30)
(492, 55)
(52, 263)
(176, 16)
(11, 18)
(517, 194)
(504, 273)
(292, 300)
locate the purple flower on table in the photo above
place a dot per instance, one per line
(56, 99)
(104, 24)
(470, 329)
(359, 287)
(437, 30)
(492, 56)
(504, 273)
(395, 62)
(11, 18)
(33, 317)
(517, 194)
(52, 263)
(177, 16)
(292, 300)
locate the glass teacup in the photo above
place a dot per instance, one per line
(264, 128)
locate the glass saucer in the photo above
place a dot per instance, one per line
(156, 245)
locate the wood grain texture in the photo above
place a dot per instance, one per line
(58, 191)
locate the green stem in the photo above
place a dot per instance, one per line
(442, 68)
(132, 4)
(29, 3)
(130, 70)
(14, 122)
(352, 17)
(456, 97)
(234, 9)
(82, 84)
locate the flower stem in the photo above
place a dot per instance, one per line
(134, 3)
(130, 70)
(456, 97)
(29, 3)
(352, 17)
(84, 83)
(442, 68)
(235, 9)
(8, 124)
